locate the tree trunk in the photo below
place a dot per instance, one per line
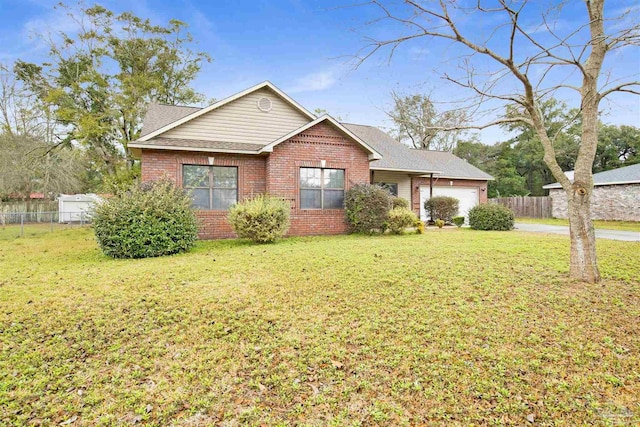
(583, 262)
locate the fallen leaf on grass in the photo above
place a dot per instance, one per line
(69, 421)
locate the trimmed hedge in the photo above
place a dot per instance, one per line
(366, 208)
(149, 220)
(442, 207)
(399, 219)
(262, 218)
(491, 217)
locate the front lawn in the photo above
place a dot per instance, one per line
(453, 327)
(609, 225)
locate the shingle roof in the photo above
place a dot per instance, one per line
(398, 156)
(451, 165)
(624, 175)
(395, 155)
(197, 144)
(159, 115)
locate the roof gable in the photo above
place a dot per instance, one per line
(373, 154)
(232, 119)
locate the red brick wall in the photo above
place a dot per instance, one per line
(308, 149)
(444, 182)
(278, 173)
(251, 180)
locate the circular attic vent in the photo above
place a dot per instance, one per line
(264, 104)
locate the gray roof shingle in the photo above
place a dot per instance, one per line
(451, 165)
(398, 156)
(160, 115)
(624, 175)
(395, 155)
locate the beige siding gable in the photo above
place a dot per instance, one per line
(241, 121)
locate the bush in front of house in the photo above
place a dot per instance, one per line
(458, 221)
(366, 208)
(399, 219)
(419, 226)
(399, 202)
(439, 223)
(262, 218)
(147, 220)
(491, 217)
(442, 207)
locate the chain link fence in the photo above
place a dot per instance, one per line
(27, 224)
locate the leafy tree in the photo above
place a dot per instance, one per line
(416, 120)
(617, 146)
(498, 160)
(97, 82)
(563, 124)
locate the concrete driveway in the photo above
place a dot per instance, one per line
(628, 236)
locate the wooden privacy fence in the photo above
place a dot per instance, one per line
(526, 206)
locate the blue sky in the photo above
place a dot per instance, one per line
(306, 48)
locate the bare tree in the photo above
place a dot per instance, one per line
(527, 66)
(419, 124)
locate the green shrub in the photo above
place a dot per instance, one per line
(262, 218)
(399, 202)
(458, 220)
(366, 208)
(439, 223)
(419, 226)
(442, 207)
(491, 217)
(398, 219)
(149, 220)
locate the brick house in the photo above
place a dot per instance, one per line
(260, 140)
(616, 195)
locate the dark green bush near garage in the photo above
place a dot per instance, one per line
(491, 217)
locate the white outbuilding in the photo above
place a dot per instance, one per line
(76, 207)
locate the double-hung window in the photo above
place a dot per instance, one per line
(212, 187)
(321, 188)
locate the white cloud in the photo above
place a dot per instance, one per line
(314, 82)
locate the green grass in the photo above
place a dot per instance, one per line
(453, 327)
(610, 225)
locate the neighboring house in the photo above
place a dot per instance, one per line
(260, 140)
(616, 195)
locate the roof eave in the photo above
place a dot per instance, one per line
(556, 186)
(201, 149)
(468, 177)
(404, 170)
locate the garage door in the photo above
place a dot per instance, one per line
(468, 197)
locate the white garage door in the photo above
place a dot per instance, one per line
(468, 197)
